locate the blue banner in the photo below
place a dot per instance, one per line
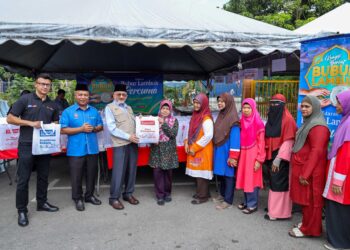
(325, 72)
(144, 91)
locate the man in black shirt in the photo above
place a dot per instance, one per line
(28, 112)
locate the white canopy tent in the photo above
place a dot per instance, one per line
(172, 37)
(334, 21)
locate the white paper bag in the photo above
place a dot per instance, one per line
(46, 140)
(9, 135)
(147, 129)
(183, 129)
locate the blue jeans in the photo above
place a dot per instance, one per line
(251, 199)
(227, 188)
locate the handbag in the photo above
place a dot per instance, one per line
(46, 140)
(9, 135)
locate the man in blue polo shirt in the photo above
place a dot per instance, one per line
(81, 122)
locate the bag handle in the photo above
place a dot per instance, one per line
(43, 129)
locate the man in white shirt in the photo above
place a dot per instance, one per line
(121, 124)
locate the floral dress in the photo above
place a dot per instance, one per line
(164, 155)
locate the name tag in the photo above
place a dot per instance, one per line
(49, 108)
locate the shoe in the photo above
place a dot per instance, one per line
(79, 205)
(297, 233)
(218, 199)
(267, 217)
(242, 206)
(198, 201)
(160, 202)
(195, 196)
(223, 205)
(132, 200)
(47, 207)
(250, 210)
(330, 247)
(298, 225)
(168, 199)
(93, 200)
(117, 205)
(23, 219)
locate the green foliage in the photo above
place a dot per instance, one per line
(299, 23)
(284, 20)
(289, 14)
(68, 86)
(17, 83)
(273, 78)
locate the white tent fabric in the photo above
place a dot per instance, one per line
(334, 21)
(173, 37)
(174, 23)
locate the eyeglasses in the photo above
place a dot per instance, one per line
(47, 85)
(122, 94)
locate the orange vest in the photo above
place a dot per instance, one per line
(201, 164)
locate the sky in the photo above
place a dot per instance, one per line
(214, 3)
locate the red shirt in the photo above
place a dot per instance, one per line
(310, 162)
(339, 174)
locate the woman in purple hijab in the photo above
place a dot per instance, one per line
(337, 189)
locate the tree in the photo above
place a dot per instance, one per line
(289, 14)
(16, 83)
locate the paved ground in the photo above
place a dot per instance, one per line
(177, 225)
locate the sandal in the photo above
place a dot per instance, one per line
(223, 206)
(242, 206)
(267, 217)
(297, 225)
(218, 199)
(197, 202)
(250, 210)
(296, 233)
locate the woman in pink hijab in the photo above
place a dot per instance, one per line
(163, 156)
(249, 173)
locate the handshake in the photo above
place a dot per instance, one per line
(321, 93)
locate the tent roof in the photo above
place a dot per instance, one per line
(173, 22)
(173, 36)
(170, 14)
(335, 21)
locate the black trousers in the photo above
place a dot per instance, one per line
(163, 179)
(338, 224)
(80, 165)
(26, 162)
